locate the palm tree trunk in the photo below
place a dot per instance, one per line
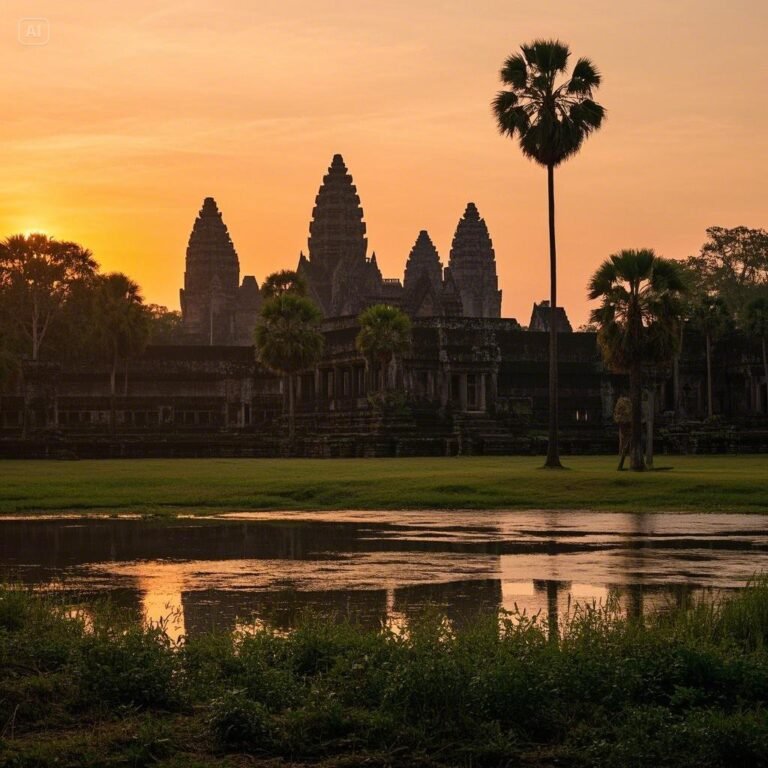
(765, 372)
(710, 412)
(35, 330)
(553, 449)
(649, 427)
(636, 396)
(291, 410)
(24, 405)
(112, 388)
(676, 374)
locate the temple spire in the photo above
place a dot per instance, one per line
(336, 267)
(473, 266)
(423, 260)
(211, 278)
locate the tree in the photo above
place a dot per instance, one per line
(121, 324)
(9, 366)
(710, 316)
(638, 320)
(288, 340)
(164, 325)
(284, 281)
(385, 333)
(756, 323)
(732, 263)
(551, 114)
(37, 273)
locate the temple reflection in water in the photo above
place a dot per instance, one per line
(370, 567)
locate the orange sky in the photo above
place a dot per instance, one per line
(116, 129)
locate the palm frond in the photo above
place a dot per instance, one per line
(584, 77)
(515, 71)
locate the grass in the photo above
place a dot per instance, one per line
(205, 486)
(682, 688)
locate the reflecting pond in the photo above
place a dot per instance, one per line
(378, 566)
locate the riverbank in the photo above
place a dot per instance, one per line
(207, 486)
(683, 688)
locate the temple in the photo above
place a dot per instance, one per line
(473, 266)
(472, 381)
(341, 278)
(216, 308)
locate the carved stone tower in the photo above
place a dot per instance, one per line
(473, 266)
(423, 280)
(340, 278)
(209, 296)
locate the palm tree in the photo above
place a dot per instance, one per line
(710, 315)
(756, 321)
(284, 281)
(288, 340)
(385, 332)
(121, 324)
(638, 321)
(551, 114)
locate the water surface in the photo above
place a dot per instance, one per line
(378, 566)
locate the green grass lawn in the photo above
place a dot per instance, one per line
(203, 486)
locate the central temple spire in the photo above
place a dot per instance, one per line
(336, 263)
(337, 229)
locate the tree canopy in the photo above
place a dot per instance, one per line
(550, 113)
(733, 264)
(637, 320)
(385, 331)
(37, 275)
(284, 281)
(289, 340)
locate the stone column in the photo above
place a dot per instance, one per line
(493, 389)
(463, 391)
(445, 386)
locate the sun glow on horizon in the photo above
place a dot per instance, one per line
(29, 231)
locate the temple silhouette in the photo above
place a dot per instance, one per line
(341, 278)
(472, 381)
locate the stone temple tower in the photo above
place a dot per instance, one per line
(340, 278)
(215, 309)
(473, 266)
(423, 279)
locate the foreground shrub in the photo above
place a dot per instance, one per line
(239, 723)
(120, 662)
(683, 688)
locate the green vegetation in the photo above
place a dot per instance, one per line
(385, 335)
(637, 321)
(287, 334)
(204, 486)
(681, 688)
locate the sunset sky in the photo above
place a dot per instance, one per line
(115, 130)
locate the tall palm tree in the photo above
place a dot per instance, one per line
(637, 320)
(551, 114)
(288, 340)
(385, 333)
(711, 316)
(121, 324)
(756, 321)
